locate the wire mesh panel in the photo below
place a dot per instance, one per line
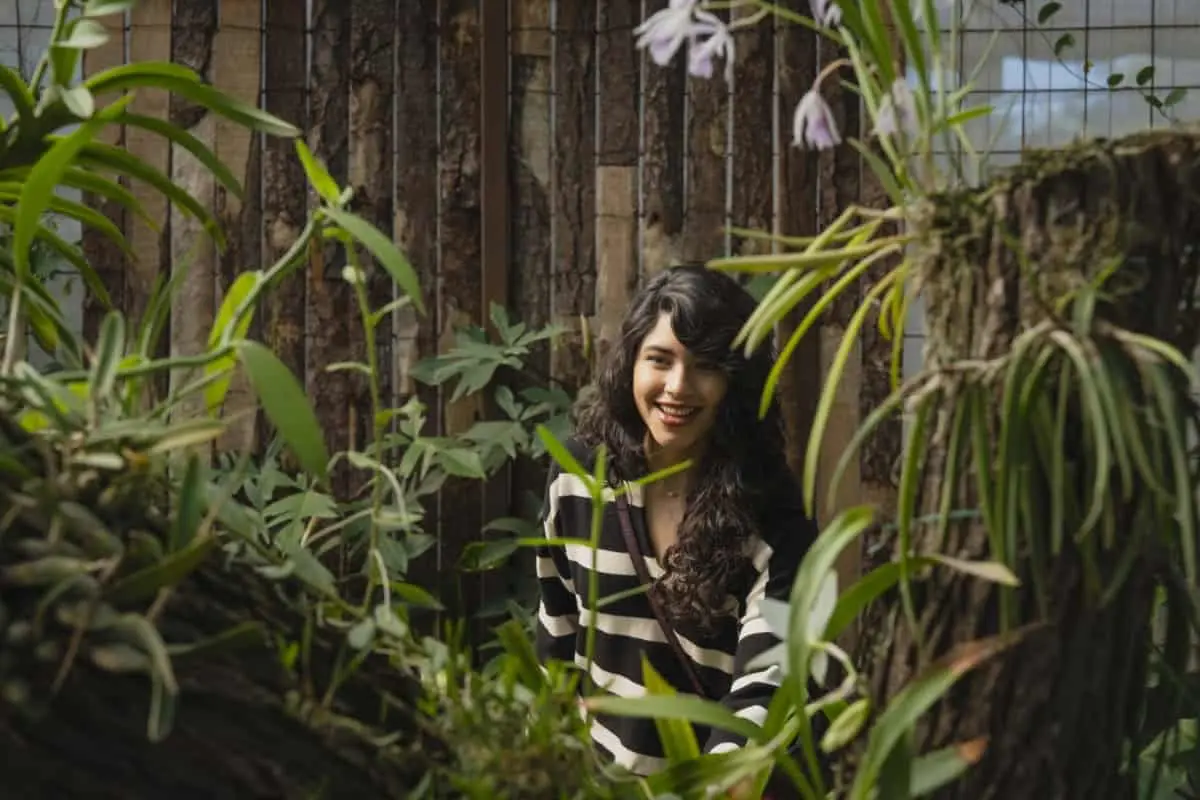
(1103, 68)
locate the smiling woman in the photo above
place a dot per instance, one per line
(712, 540)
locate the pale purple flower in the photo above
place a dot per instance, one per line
(665, 31)
(718, 43)
(826, 12)
(897, 110)
(813, 124)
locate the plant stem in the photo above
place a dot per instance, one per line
(60, 22)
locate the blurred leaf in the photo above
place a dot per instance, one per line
(917, 697)
(932, 771)
(699, 710)
(84, 34)
(483, 556)
(110, 348)
(846, 726)
(170, 571)
(415, 595)
(318, 176)
(287, 407)
(188, 434)
(389, 256)
(43, 178)
(214, 393)
(189, 506)
(1047, 11)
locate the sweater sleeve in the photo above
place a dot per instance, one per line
(558, 612)
(750, 693)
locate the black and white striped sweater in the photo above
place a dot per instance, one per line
(626, 628)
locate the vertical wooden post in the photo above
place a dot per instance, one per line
(574, 143)
(460, 278)
(237, 70)
(616, 171)
(285, 189)
(663, 128)
(416, 229)
(149, 40)
(330, 299)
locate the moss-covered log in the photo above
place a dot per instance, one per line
(1073, 253)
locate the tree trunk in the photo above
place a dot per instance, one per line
(1056, 710)
(239, 731)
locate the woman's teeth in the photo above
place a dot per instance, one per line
(680, 412)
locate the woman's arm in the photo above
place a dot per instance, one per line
(752, 688)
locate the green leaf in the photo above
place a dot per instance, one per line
(110, 347)
(698, 710)
(170, 571)
(318, 176)
(79, 101)
(184, 139)
(846, 726)
(483, 556)
(1047, 11)
(1145, 75)
(18, 93)
(677, 735)
(932, 771)
(461, 463)
(1063, 42)
(104, 8)
(415, 596)
(286, 406)
(214, 393)
(381, 247)
(187, 84)
(992, 571)
(189, 506)
(918, 697)
(43, 178)
(84, 34)
(1115, 79)
(241, 635)
(1174, 97)
(562, 455)
(188, 434)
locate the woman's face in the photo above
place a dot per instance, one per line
(676, 394)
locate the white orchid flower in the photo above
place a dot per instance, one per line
(813, 124)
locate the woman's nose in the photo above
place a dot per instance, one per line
(676, 380)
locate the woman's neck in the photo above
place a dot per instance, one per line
(658, 459)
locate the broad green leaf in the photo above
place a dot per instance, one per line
(461, 463)
(79, 101)
(381, 247)
(918, 697)
(317, 174)
(85, 34)
(214, 393)
(45, 175)
(286, 406)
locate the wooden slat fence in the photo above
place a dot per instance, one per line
(522, 152)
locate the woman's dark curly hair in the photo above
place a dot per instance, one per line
(744, 473)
